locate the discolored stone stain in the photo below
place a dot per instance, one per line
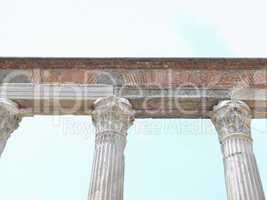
(78, 76)
(109, 78)
(260, 78)
(15, 76)
(209, 79)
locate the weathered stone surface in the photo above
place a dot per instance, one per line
(9, 121)
(163, 72)
(135, 63)
(232, 120)
(77, 99)
(15, 76)
(156, 87)
(112, 116)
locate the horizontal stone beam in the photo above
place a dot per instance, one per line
(75, 99)
(157, 87)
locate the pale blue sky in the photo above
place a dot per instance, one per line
(133, 28)
(50, 158)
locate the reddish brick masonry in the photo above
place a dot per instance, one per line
(215, 73)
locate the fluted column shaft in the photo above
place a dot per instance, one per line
(112, 117)
(232, 120)
(9, 121)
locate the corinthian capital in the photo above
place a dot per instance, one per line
(113, 114)
(9, 118)
(232, 118)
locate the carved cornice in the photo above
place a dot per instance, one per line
(232, 118)
(9, 118)
(131, 63)
(112, 114)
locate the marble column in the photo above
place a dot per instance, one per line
(232, 120)
(9, 121)
(112, 116)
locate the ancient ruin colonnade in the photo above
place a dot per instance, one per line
(231, 92)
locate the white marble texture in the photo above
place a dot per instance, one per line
(9, 121)
(2, 146)
(232, 120)
(112, 117)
